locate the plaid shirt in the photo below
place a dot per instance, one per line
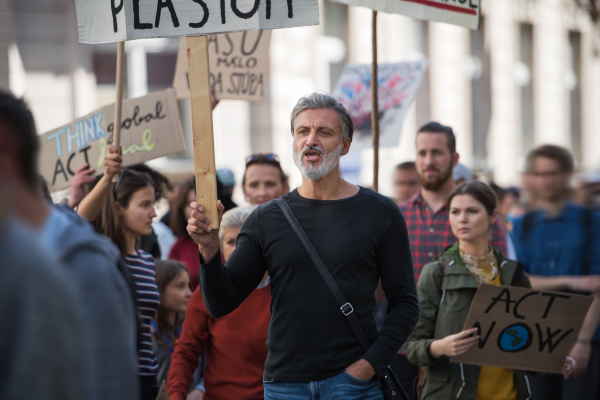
(430, 233)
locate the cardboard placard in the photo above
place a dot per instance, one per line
(463, 12)
(151, 128)
(120, 20)
(398, 84)
(239, 63)
(163, 394)
(524, 329)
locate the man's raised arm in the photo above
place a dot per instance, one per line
(225, 287)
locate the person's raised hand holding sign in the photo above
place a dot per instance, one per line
(113, 166)
(201, 232)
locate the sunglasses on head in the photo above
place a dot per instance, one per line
(121, 179)
(267, 157)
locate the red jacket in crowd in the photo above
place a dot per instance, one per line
(236, 349)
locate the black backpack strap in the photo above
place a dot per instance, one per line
(345, 307)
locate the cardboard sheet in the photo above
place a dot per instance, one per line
(151, 128)
(524, 329)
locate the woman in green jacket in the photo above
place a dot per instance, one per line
(446, 290)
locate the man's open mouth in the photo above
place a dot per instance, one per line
(312, 155)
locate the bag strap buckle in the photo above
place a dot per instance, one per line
(347, 309)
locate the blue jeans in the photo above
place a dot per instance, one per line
(343, 386)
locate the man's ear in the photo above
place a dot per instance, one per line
(455, 158)
(346, 142)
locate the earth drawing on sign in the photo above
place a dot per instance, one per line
(514, 338)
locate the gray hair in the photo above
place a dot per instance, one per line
(235, 218)
(316, 101)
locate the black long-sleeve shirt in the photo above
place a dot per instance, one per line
(360, 239)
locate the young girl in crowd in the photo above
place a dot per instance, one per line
(236, 343)
(443, 312)
(173, 284)
(123, 211)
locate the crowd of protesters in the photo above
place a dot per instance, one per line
(101, 300)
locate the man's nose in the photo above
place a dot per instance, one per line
(312, 138)
(262, 190)
(428, 159)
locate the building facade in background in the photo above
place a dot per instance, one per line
(530, 75)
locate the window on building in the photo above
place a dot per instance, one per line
(479, 70)
(524, 75)
(573, 83)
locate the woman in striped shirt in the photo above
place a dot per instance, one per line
(124, 211)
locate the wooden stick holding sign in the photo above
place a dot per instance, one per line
(119, 99)
(163, 394)
(202, 126)
(375, 106)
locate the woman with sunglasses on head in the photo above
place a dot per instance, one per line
(123, 211)
(264, 180)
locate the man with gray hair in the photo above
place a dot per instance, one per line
(360, 236)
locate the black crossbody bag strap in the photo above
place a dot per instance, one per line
(345, 307)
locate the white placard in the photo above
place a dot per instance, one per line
(457, 12)
(109, 21)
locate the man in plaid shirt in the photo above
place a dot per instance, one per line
(426, 213)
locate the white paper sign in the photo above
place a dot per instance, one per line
(398, 86)
(458, 12)
(108, 21)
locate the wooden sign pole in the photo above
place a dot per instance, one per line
(119, 99)
(202, 126)
(375, 107)
(119, 102)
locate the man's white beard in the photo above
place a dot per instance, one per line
(329, 162)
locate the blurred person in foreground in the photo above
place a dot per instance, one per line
(461, 268)
(90, 261)
(559, 245)
(360, 236)
(406, 181)
(42, 340)
(426, 213)
(235, 344)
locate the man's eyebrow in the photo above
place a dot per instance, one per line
(318, 127)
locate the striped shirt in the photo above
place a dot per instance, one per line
(144, 276)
